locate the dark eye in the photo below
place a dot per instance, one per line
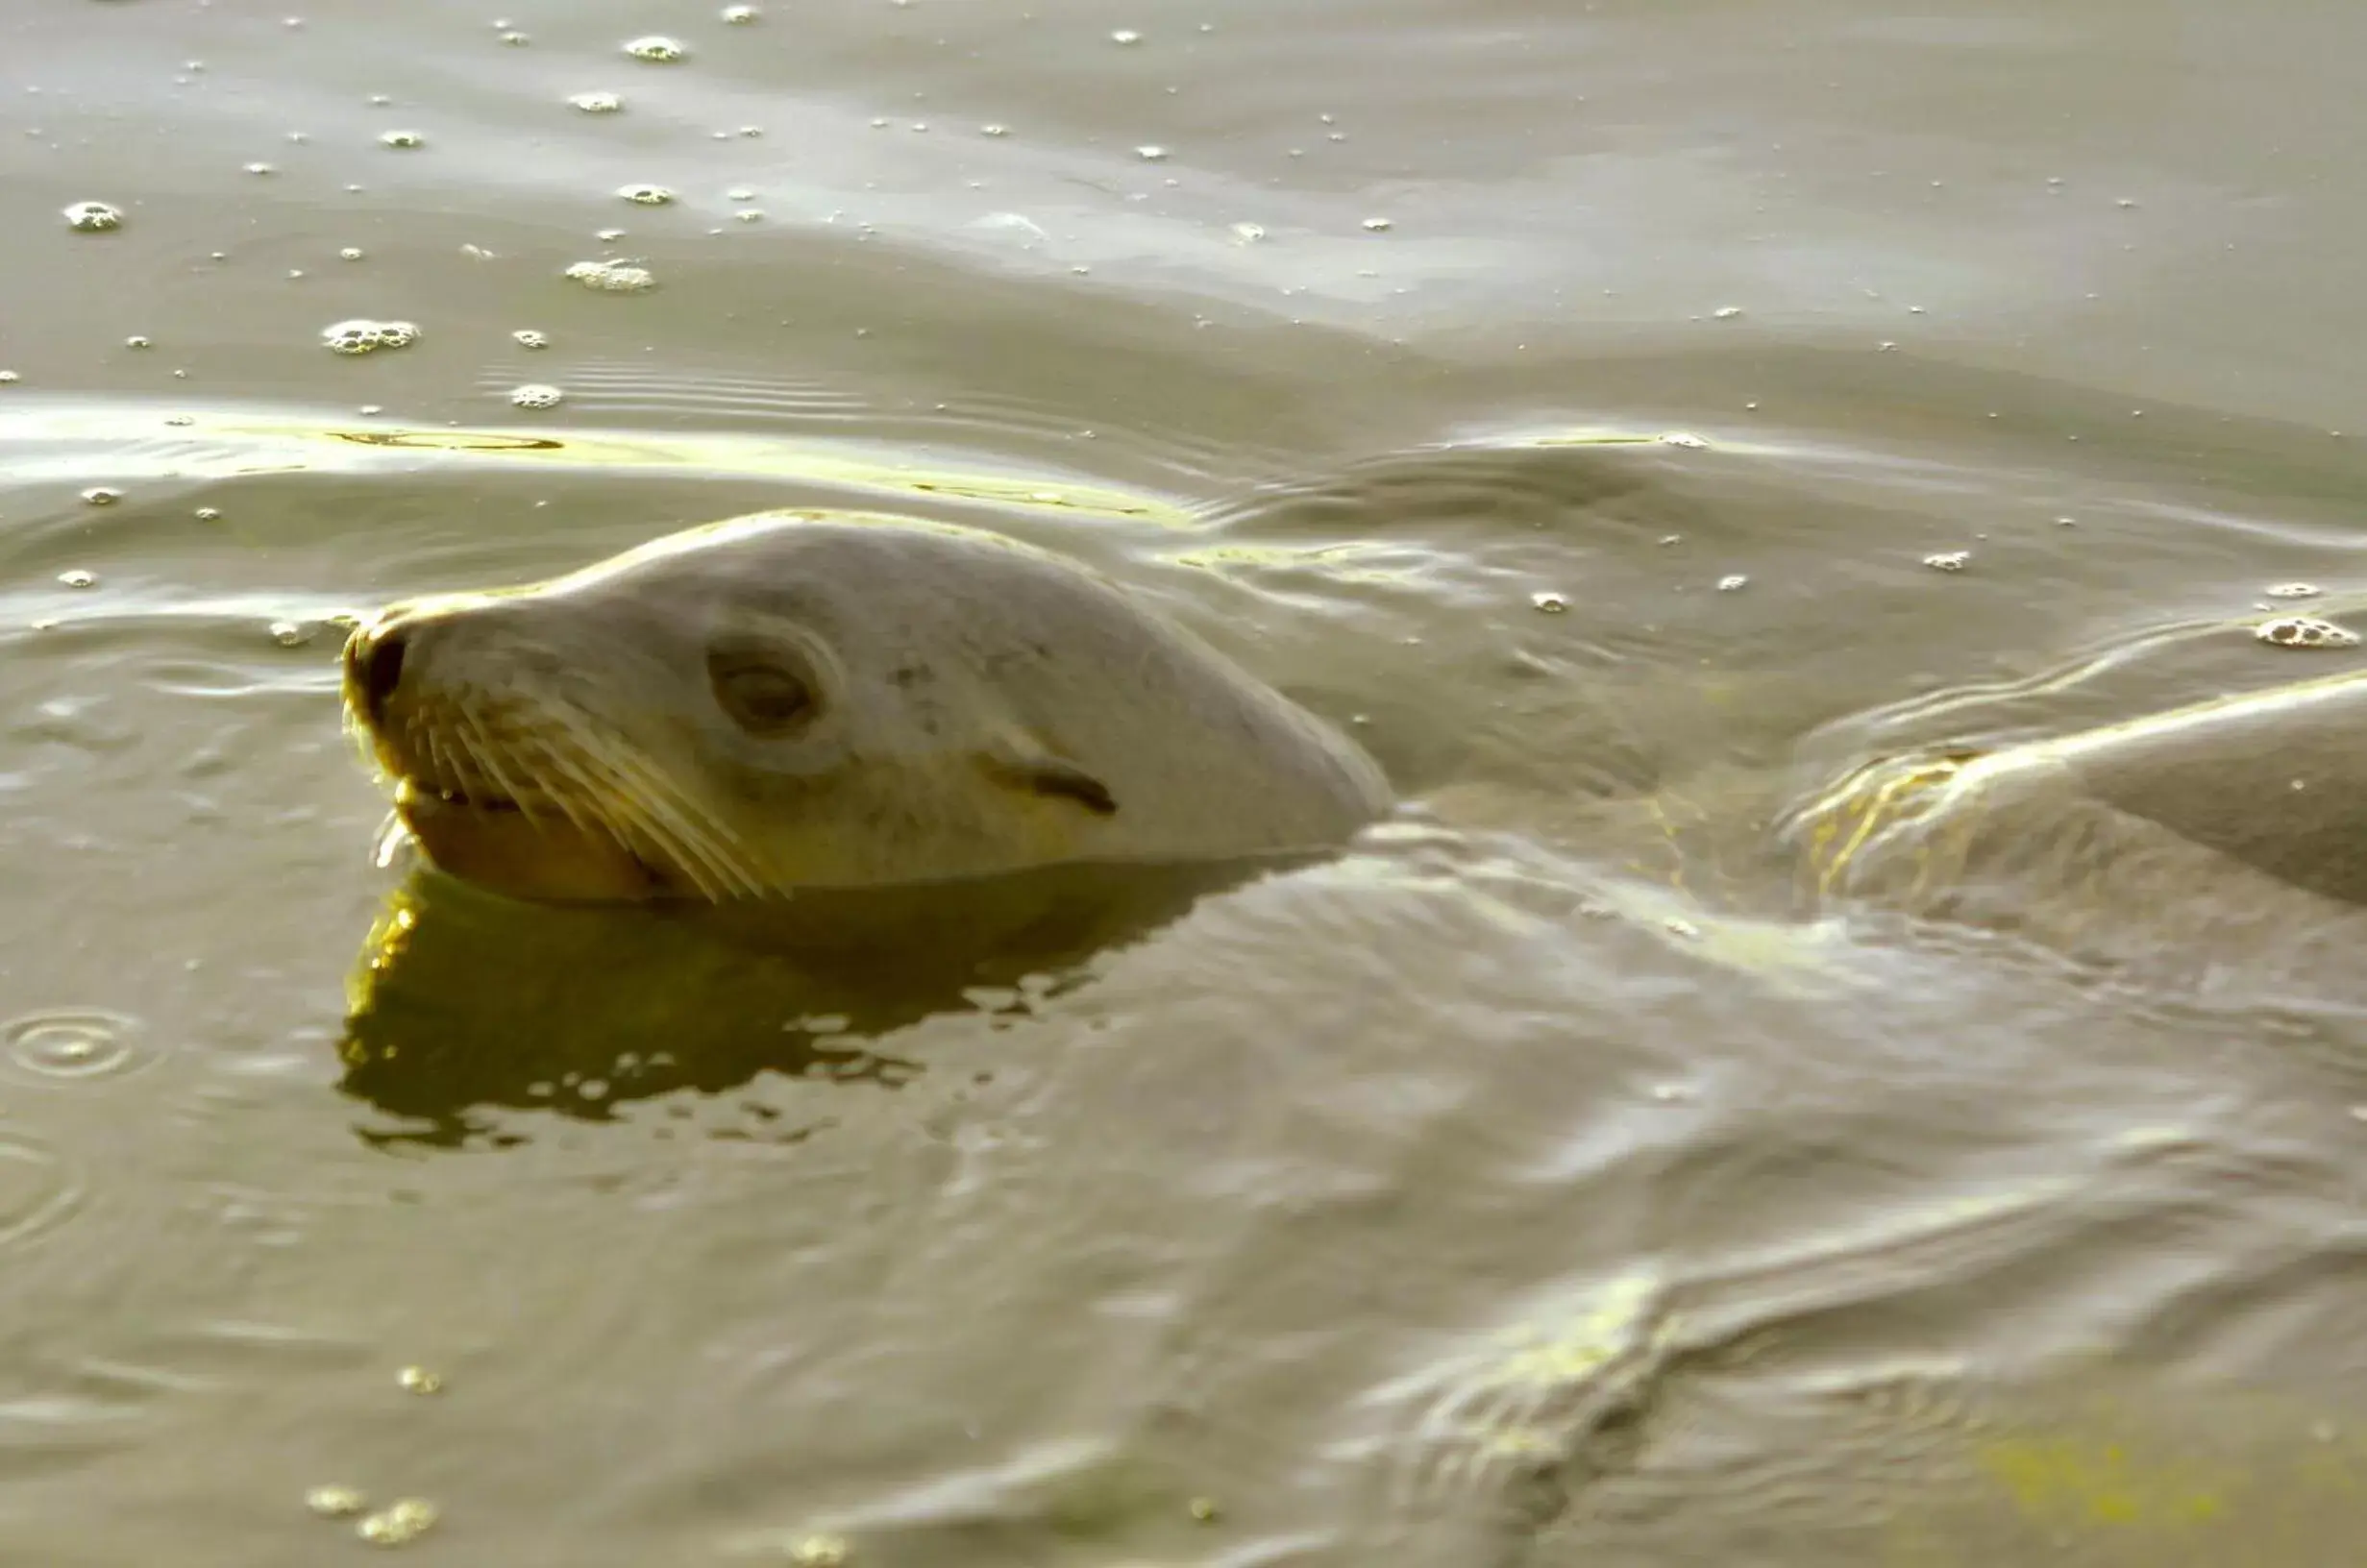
(762, 698)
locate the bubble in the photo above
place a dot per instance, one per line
(292, 633)
(406, 139)
(93, 217)
(994, 130)
(351, 253)
(9, 378)
(1378, 225)
(749, 215)
(1685, 439)
(361, 336)
(597, 103)
(137, 341)
(1948, 560)
(2304, 631)
(401, 1524)
(208, 514)
(1726, 312)
(610, 236)
(819, 1551)
(79, 578)
(536, 395)
(1151, 155)
(2293, 589)
(100, 495)
(516, 39)
(741, 15)
(261, 168)
(1249, 233)
(646, 195)
(1125, 35)
(1550, 603)
(527, 337)
(1733, 583)
(741, 193)
(72, 1043)
(612, 277)
(335, 1501)
(660, 50)
(418, 1380)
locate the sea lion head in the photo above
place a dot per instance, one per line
(828, 701)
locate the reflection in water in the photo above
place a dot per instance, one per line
(465, 1003)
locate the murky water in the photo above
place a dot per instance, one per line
(1546, 1182)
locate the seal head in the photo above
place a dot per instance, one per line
(830, 701)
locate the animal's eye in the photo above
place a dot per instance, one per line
(762, 698)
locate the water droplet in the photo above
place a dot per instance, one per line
(99, 494)
(2293, 589)
(73, 1044)
(401, 138)
(527, 337)
(660, 50)
(93, 217)
(2304, 631)
(741, 15)
(1550, 603)
(1377, 225)
(536, 395)
(335, 1501)
(403, 1522)
(646, 195)
(612, 277)
(364, 337)
(79, 578)
(597, 103)
(418, 1380)
(1735, 583)
(1948, 560)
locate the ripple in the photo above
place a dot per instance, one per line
(73, 1043)
(37, 1189)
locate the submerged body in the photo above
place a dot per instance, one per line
(831, 701)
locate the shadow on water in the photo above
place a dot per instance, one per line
(465, 1004)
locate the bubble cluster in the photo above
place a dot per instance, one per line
(2304, 631)
(400, 1524)
(93, 217)
(1948, 560)
(613, 277)
(335, 1501)
(2293, 589)
(1734, 583)
(660, 50)
(406, 139)
(364, 337)
(527, 337)
(597, 103)
(537, 395)
(100, 495)
(741, 15)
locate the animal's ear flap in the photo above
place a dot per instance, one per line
(1039, 773)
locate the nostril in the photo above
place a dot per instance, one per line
(382, 667)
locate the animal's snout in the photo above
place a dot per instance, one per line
(374, 665)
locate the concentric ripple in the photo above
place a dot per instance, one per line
(74, 1043)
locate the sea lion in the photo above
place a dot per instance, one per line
(791, 702)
